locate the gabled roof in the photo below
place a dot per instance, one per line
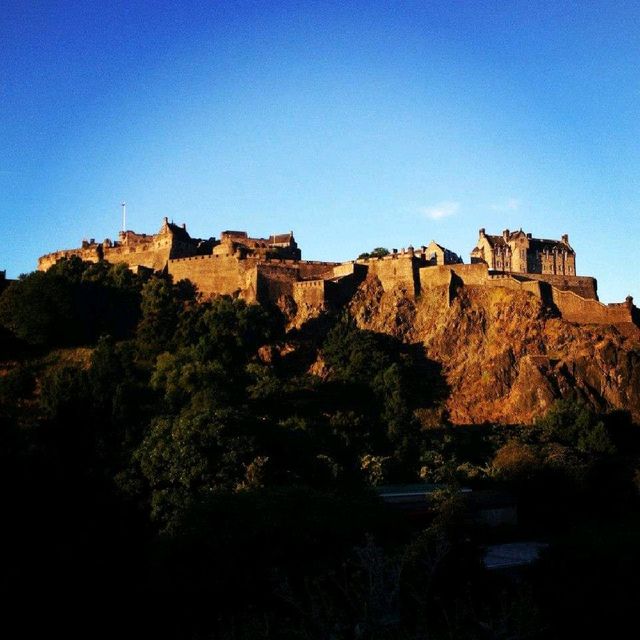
(535, 244)
(433, 242)
(496, 241)
(281, 238)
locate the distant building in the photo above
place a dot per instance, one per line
(519, 252)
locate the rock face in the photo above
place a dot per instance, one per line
(505, 356)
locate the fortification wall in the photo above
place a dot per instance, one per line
(150, 255)
(345, 269)
(275, 280)
(575, 308)
(353, 268)
(90, 254)
(584, 286)
(431, 277)
(509, 282)
(218, 275)
(310, 270)
(310, 292)
(440, 276)
(471, 274)
(395, 271)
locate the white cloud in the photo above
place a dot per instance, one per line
(441, 210)
(512, 204)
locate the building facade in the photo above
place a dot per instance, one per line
(519, 252)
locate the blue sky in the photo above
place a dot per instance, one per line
(356, 124)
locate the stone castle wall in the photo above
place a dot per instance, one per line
(310, 270)
(575, 308)
(251, 278)
(584, 286)
(152, 256)
(440, 276)
(507, 281)
(218, 275)
(275, 280)
(152, 252)
(310, 292)
(395, 271)
(47, 261)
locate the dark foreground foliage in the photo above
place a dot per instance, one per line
(186, 478)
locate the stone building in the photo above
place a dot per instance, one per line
(276, 246)
(437, 254)
(519, 252)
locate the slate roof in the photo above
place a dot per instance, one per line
(535, 244)
(281, 238)
(540, 244)
(496, 241)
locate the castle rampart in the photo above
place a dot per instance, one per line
(575, 308)
(310, 292)
(584, 286)
(397, 270)
(217, 275)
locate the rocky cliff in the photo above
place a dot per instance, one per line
(505, 356)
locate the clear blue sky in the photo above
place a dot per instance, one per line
(356, 124)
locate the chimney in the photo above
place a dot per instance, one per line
(528, 236)
(565, 238)
(184, 226)
(505, 234)
(482, 232)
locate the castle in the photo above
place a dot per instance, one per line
(271, 270)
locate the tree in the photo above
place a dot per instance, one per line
(192, 454)
(516, 461)
(574, 424)
(160, 306)
(73, 303)
(378, 252)
(40, 309)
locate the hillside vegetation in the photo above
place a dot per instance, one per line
(199, 460)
